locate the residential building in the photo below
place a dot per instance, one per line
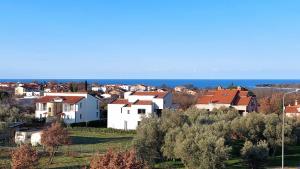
(99, 88)
(293, 111)
(179, 88)
(125, 87)
(231, 98)
(72, 107)
(27, 89)
(32, 137)
(138, 87)
(128, 112)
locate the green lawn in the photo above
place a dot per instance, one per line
(85, 142)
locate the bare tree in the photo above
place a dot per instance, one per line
(53, 137)
(24, 157)
(116, 160)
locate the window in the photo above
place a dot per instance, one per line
(80, 116)
(68, 107)
(141, 111)
(44, 106)
(139, 122)
(97, 104)
(49, 109)
(80, 105)
(38, 106)
(97, 114)
(128, 111)
(72, 107)
(41, 116)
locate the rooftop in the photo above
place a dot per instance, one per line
(65, 99)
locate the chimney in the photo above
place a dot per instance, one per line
(239, 88)
(219, 88)
(296, 102)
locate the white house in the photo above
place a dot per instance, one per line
(231, 98)
(32, 137)
(28, 89)
(72, 107)
(138, 87)
(127, 113)
(293, 111)
(125, 87)
(99, 88)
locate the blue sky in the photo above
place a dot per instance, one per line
(215, 39)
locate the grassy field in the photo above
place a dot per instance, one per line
(87, 141)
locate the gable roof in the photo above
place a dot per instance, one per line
(143, 102)
(120, 101)
(225, 96)
(65, 99)
(156, 94)
(292, 109)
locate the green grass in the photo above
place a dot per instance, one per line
(85, 143)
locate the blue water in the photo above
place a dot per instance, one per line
(201, 83)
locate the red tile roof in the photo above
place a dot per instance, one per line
(243, 101)
(154, 93)
(66, 99)
(143, 102)
(225, 96)
(292, 109)
(120, 101)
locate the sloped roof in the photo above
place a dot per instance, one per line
(120, 101)
(143, 102)
(66, 99)
(225, 96)
(292, 109)
(151, 93)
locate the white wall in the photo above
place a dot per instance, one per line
(114, 116)
(117, 115)
(88, 111)
(211, 106)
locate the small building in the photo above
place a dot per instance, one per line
(125, 87)
(71, 107)
(27, 89)
(179, 88)
(230, 98)
(293, 111)
(32, 137)
(138, 87)
(126, 113)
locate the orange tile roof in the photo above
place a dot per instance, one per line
(66, 99)
(225, 96)
(150, 93)
(243, 101)
(292, 109)
(120, 101)
(143, 102)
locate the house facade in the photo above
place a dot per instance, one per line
(293, 111)
(71, 107)
(230, 98)
(127, 113)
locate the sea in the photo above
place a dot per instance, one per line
(200, 83)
